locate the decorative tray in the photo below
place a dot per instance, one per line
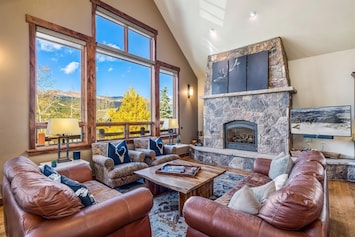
(180, 170)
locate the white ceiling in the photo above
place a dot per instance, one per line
(307, 27)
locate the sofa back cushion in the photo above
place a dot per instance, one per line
(295, 205)
(308, 168)
(36, 193)
(312, 156)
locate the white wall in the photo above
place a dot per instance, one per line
(325, 80)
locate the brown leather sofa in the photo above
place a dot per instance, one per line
(35, 205)
(299, 208)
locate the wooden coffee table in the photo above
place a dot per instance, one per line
(199, 185)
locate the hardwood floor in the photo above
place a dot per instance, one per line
(342, 210)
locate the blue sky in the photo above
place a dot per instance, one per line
(114, 76)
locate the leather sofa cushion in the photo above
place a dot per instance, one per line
(41, 196)
(310, 168)
(19, 165)
(36, 193)
(312, 156)
(295, 205)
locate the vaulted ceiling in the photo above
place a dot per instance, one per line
(307, 27)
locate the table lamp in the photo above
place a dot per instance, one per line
(63, 128)
(171, 124)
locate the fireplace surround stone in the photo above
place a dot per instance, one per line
(267, 108)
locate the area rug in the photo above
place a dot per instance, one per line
(164, 216)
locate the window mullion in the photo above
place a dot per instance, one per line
(126, 39)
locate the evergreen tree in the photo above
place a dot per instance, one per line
(165, 106)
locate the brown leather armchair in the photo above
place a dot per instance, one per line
(27, 192)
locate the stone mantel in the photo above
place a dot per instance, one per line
(232, 152)
(254, 92)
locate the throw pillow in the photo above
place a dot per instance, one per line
(157, 146)
(263, 192)
(244, 200)
(119, 153)
(80, 190)
(281, 164)
(280, 181)
(51, 173)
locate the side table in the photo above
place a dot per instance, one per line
(182, 149)
(66, 164)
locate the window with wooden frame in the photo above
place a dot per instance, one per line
(128, 89)
(79, 76)
(58, 81)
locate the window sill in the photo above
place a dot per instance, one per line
(54, 149)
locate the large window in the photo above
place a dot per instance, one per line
(111, 82)
(57, 79)
(124, 77)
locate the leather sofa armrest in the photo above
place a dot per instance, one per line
(214, 219)
(79, 172)
(104, 161)
(262, 166)
(118, 212)
(170, 149)
(136, 156)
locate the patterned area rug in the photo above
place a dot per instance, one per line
(164, 216)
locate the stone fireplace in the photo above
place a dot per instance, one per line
(241, 135)
(262, 116)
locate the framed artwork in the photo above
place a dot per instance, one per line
(328, 121)
(244, 73)
(237, 74)
(220, 75)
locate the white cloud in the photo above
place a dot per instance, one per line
(70, 68)
(114, 46)
(48, 46)
(100, 58)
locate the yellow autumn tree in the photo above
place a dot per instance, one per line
(134, 108)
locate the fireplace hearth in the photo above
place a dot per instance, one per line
(241, 135)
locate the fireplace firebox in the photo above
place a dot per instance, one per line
(241, 135)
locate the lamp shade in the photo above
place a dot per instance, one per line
(170, 123)
(63, 126)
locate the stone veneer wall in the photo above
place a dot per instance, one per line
(269, 111)
(269, 108)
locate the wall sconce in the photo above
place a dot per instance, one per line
(190, 91)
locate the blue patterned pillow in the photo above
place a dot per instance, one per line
(119, 153)
(80, 190)
(86, 198)
(157, 146)
(51, 173)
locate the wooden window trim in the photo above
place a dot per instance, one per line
(87, 82)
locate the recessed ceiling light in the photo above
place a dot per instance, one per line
(212, 31)
(252, 14)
